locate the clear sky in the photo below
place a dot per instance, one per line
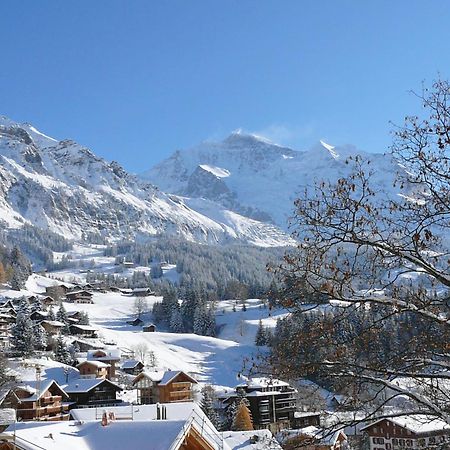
(135, 80)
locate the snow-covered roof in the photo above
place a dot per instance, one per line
(36, 391)
(83, 327)
(418, 423)
(53, 323)
(111, 354)
(301, 414)
(99, 364)
(86, 384)
(130, 364)
(94, 436)
(262, 382)
(171, 374)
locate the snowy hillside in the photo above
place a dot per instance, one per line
(214, 360)
(256, 178)
(64, 187)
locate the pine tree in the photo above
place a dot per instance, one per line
(207, 405)
(61, 316)
(261, 336)
(51, 314)
(176, 321)
(23, 334)
(40, 338)
(231, 412)
(84, 318)
(243, 418)
(62, 353)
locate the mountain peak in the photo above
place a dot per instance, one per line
(240, 137)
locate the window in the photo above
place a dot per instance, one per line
(394, 441)
(401, 442)
(408, 442)
(388, 446)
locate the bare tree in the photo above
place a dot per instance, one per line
(140, 306)
(383, 264)
(141, 351)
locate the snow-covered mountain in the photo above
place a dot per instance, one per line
(64, 187)
(257, 178)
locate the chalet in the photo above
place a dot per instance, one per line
(79, 296)
(75, 315)
(313, 438)
(272, 402)
(38, 316)
(413, 431)
(135, 322)
(149, 328)
(304, 419)
(93, 369)
(38, 401)
(84, 345)
(52, 327)
(124, 427)
(93, 392)
(141, 292)
(164, 387)
(48, 301)
(110, 356)
(83, 330)
(132, 367)
(64, 288)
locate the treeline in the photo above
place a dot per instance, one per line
(36, 243)
(233, 271)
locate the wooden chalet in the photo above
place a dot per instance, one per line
(38, 401)
(79, 296)
(52, 327)
(141, 292)
(410, 431)
(135, 322)
(110, 356)
(38, 316)
(48, 301)
(93, 392)
(93, 369)
(132, 367)
(149, 328)
(164, 387)
(83, 330)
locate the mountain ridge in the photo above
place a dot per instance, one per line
(66, 188)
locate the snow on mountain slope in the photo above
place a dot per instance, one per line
(262, 179)
(63, 186)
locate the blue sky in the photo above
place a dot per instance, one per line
(135, 80)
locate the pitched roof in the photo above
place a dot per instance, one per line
(98, 364)
(82, 385)
(130, 364)
(171, 374)
(35, 391)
